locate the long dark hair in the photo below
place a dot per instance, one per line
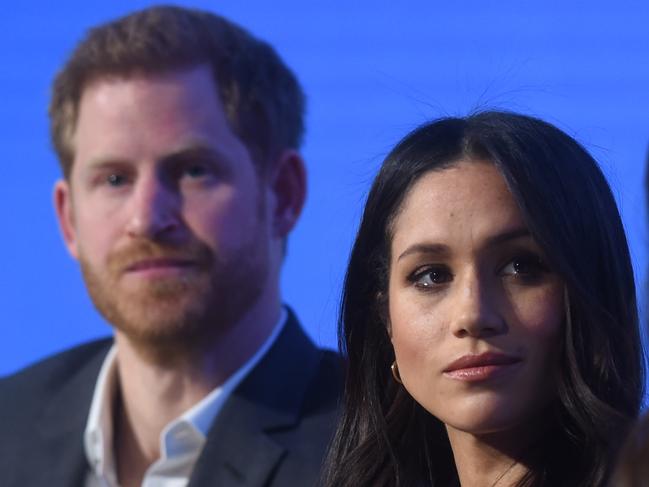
(384, 437)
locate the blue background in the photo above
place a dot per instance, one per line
(372, 70)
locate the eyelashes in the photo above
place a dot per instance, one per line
(526, 268)
(191, 172)
(428, 277)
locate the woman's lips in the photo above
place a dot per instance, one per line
(484, 366)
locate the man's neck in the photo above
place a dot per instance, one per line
(154, 391)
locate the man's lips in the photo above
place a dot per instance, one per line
(160, 263)
(472, 368)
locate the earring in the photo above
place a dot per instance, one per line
(395, 372)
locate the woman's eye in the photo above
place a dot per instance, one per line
(430, 277)
(525, 266)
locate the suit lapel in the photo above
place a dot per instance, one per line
(237, 452)
(240, 450)
(62, 424)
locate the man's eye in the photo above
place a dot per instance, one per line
(430, 277)
(196, 170)
(116, 180)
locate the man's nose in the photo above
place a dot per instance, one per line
(155, 209)
(476, 308)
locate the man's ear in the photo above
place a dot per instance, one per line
(288, 185)
(65, 215)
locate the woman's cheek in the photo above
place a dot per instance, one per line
(416, 335)
(541, 310)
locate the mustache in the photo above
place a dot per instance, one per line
(192, 252)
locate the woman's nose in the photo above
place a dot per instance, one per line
(476, 311)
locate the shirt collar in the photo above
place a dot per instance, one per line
(98, 436)
(184, 435)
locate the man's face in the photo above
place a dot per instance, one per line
(164, 209)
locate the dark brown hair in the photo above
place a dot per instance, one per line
(261, 96)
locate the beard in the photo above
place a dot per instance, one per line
(180, 311)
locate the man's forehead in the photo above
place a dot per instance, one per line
(138, 78)
(174, 97)
(151, 114)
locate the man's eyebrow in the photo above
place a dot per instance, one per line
(442, 250)
(191, 150)
(176, 155)
(100, 163)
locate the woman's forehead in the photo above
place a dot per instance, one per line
(467, 205)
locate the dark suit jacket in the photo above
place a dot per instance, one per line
(271, 432)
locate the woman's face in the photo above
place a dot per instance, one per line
(475, 312)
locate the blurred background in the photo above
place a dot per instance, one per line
(372, 70)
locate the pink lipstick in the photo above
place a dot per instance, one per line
(481, 367)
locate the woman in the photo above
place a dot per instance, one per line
(488, 314)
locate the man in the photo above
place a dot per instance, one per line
(178, 136)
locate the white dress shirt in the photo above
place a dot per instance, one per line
(181, 441)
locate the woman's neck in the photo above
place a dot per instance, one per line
(490, 460)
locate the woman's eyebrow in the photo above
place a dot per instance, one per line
(506, 236)
(442, 250)
(426, 248)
